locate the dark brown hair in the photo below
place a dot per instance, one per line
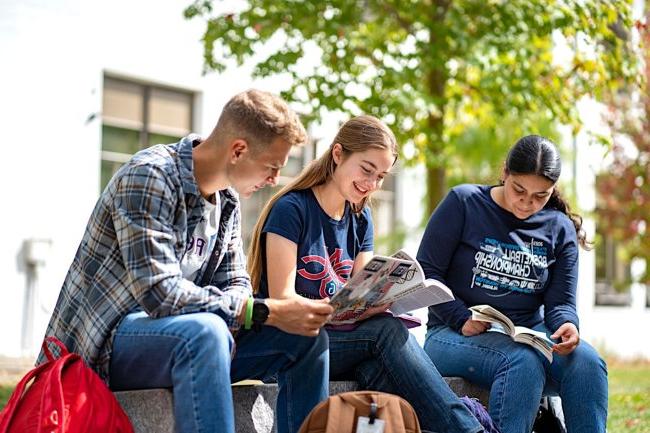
(534, 154)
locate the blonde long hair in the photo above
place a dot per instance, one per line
(358, 134)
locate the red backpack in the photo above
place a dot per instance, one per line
(66, 396)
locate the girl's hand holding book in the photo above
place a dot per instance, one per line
(474, 327)
(570, 337)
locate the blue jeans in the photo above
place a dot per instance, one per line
(193, 355)
(518, 375)
(382, 355)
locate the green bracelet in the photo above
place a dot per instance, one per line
(248, 320)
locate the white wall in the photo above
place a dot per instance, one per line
(51, 83)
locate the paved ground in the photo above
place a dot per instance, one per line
(12, 369)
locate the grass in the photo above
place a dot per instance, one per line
(629, 397)
(5, 392)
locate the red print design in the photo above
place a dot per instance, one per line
(333, 274)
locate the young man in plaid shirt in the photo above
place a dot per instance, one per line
(158, 294)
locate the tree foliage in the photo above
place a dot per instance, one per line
(437, 71)
(623, 208)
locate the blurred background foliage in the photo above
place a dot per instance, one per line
(458, 81)
(623, 189)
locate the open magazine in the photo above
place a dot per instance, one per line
(397, 279)
(521, 334)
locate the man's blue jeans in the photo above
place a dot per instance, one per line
(382, 355)
(519, 375)
(196, 355)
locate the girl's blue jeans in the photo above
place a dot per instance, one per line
(382, 355)
(518, 375)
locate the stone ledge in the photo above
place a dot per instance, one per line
(151, 410)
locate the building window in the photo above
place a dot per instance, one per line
(137, 115)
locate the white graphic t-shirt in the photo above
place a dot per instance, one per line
(202, 241)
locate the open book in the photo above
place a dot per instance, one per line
(398, 279)
(521, 334)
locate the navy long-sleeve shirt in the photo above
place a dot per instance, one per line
(488, 256)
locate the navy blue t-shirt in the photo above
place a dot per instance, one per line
(326, 247)
(488, 256)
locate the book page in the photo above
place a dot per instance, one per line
(497, 327)
(501, 323)
(542, 336)
(542, 344)
(486, 313)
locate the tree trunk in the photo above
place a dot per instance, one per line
(435, 162)
(436, 188)
(436, 82)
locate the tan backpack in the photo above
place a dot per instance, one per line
(340, 413)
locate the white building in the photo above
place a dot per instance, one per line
(83, 84)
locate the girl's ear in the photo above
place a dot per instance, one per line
(504, 174)
(337, 153)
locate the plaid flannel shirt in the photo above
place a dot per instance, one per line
(129, 257)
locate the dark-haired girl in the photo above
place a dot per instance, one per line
(514, 246)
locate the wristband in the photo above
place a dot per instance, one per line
(248, 319)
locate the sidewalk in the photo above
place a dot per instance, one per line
(12, 369)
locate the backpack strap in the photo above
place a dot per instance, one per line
(10, 408)
(18, 393)
(389, 408)
(392, 413)
(340, 415)
(46, 349)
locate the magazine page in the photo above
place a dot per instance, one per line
(397, 279)
(403, 255)
(430, 292)
(404, 281)
(368, 288)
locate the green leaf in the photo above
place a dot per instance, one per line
(437, 71)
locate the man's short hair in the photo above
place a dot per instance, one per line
(260, 118)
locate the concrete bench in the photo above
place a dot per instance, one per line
(151, 410)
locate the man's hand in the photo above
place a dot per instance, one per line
(474, 327)
(570, 338)
(298, 315)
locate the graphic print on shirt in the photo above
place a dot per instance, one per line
(503, 267)
(200, 244)
(197, 253)
(332, 271)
